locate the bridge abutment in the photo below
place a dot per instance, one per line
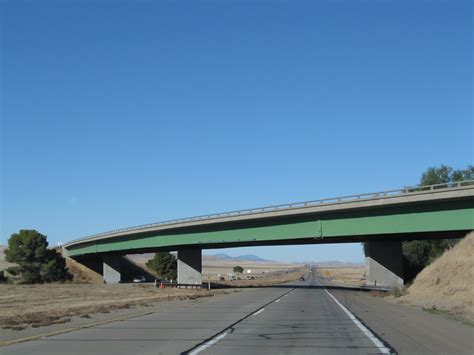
(190, 266)
(112, 268)
(384, 263)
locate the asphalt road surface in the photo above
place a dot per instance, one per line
(299, 318)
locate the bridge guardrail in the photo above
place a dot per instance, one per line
(311, 203)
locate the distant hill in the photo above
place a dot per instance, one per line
(247, 257)
(250, 257)
(222, 256)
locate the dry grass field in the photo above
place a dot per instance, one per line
(39, 305)
(354, 275)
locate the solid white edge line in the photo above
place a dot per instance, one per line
(258, 312)
(209, 343)
(383, 349)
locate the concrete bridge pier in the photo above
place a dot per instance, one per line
(190, 266)
(112, 268)
(384, 263)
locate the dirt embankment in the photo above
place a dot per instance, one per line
(448, 283)
(82, 274)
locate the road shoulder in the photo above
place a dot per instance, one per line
(408, 329)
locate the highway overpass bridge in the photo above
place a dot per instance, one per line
(382, 220)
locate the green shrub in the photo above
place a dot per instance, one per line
(164, 264)
(35, 262)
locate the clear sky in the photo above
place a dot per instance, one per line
(118, 114)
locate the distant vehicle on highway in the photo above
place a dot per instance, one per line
(139, 279)
(301, 278)
(250, 277)
(232, 278)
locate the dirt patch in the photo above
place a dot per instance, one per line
(447, 284)
(41, 305)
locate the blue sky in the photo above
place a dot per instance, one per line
(124, 114)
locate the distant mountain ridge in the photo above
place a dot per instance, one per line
(246, 257)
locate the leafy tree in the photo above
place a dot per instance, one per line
(434, 175)
(164, 264)
(446, 174)
(238, 269)
(54, 269)
(463, 175)
(36, 263)
(420, 253)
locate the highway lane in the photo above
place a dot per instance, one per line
(303, 321)
(300, 318)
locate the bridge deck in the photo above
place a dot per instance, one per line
(306, 219)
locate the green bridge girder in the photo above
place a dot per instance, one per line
(448, 218)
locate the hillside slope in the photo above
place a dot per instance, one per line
(448, 283)
(82, 274)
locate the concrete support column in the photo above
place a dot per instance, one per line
(384, 263)
(112, 266)
(190, 266)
